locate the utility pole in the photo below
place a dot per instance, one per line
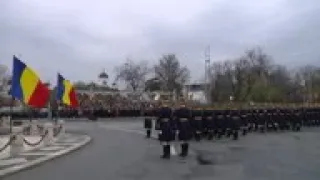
(207, 74)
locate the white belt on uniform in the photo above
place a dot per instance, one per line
(198, 118)
(165, 119)
(183, 119)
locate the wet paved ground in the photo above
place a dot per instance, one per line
(119, 151)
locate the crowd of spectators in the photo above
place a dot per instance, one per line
(113, 101)
(99, 101)
(96, 104)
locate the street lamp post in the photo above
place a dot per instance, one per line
(207, 74)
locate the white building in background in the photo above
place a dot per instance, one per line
(196, 92)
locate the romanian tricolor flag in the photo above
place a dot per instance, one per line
(27, 86)
(66, 93)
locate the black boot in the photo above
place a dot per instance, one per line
(210, 136)
(219, 135)
(184, 150)
(148, 133)
(166, 152)
(244, 132)
(228, 133)
(298, 128)
(235, 135)
(197, 137)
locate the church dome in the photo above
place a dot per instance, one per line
(103, 75)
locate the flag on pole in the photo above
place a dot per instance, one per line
(66, 93)
(27, 86)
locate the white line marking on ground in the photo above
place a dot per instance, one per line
(35, 153)
(31, 163)
(62, 144)
(9, 162)
(73, 140)
(123, 129)
(173, 149)
(52, 148)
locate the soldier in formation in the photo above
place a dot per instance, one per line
(211, 124)
(166, 127)
(148, 121)
(183, 125)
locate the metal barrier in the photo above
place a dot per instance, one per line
(12, 138)
(37, 143)
(56, 131)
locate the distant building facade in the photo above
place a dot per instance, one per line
(196, 92)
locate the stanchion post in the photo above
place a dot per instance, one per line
(11, 113)
(58, 110)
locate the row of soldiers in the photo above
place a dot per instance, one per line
(197, 124)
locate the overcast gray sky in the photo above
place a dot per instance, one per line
(81, 37)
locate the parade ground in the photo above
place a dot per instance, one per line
(119, 150)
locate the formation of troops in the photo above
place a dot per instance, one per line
(185, 124)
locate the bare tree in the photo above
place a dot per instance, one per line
(133, 74)
(3, 76)
(152, 84)
(171, 74)
(310, 76)
(241, 76)
(257, 70)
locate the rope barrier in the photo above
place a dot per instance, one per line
(8, 143)
(37, 143)
(55, 133)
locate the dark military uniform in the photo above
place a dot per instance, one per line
(256, 120)
(206, 117)
(220, 123)
(183, 122)
(235, 123)
(166, 126)
(274, 120)
(281, 119)
(244, 122)
(269, 120)
(228, 123)
(251, 120)
(317, 116)
(197, 123)
(149, 114)
(296, 120)
(305, 116)
(209, 123)
(262, 117)
(288, 118)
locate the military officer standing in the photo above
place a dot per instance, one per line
(166, 127)
(183, 116)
